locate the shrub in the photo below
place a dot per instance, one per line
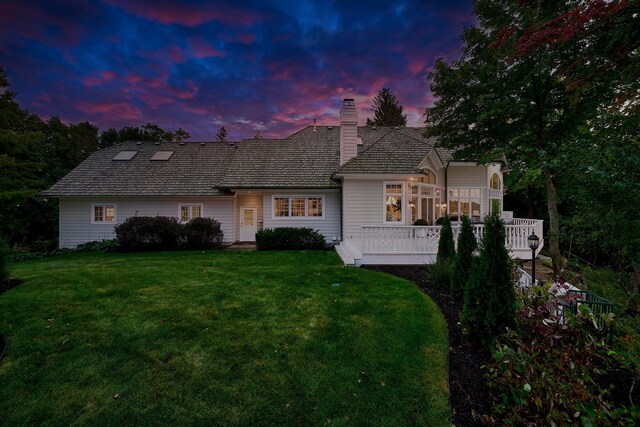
(440, 273)
(98, 245)
(421, 221)
(461, 269)
(203, 233)
(146, 233)
(489, 294)
(4, 258)
(446, 246)
(289, 238)
(556, 372)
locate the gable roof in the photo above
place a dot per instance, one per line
(308, 158)
(192, 170)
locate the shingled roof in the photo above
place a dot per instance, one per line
(192, 170)
(306, 159)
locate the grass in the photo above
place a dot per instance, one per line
(218, 338)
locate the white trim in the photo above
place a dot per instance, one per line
(306, 216)
(190, 205)
(241, 224)
(104, 213)
(384, 202)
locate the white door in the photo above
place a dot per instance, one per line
(248, 224)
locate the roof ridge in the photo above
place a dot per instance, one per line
(373, 144)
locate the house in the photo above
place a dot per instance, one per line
(362, 187)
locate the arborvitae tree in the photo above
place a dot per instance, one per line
(446, 246)
(221, 136)
(463, 259)
(386, 110)
(489, 295)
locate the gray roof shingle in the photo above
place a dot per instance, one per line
(306, 159)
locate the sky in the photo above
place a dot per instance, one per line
(270, 66)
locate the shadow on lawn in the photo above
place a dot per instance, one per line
(468, 392)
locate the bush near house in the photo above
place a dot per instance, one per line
(421, 221)
(463, 260)
(4, 258)
(489, 295)
(202, 233)
(147, 233)
(440, 272)
(289, 238)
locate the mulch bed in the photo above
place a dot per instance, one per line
(468, 392)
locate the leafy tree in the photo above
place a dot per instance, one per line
(446, 245)
(489, 295)
(221, 136)
(181, 135)
(108, 138)
(463, 259)
(501, 99)
(386, 110)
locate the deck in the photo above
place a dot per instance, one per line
(409, 244)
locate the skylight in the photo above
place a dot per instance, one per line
(125, 155)
(162, 155)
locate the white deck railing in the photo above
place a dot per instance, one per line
(418, 240)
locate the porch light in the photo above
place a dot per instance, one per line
(412, 204)
(534, 242)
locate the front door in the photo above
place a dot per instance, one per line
(248, 224)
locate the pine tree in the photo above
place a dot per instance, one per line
(257, 135)
(489, 296)
(221, 136)
(386, 111)
(463, 259)
(181, 135)
(446, 246)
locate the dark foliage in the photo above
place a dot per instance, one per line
(202, 233)
(463, 259)
(148, 233)
(446, 245)
(4, 258)
(559, 371)
(386, 110)
(289, 238)
(221, 135)
(421, 221)
(489, 295)
(98, 245)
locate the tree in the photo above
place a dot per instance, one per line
(446, 245)
(386, 111)
(258, 136)
(221, 136)
(463, 259)
(489, 296)
(181, 135)
(498, 100)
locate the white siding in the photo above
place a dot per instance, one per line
(329, 226)
(362, 205)
(467, 176)
(75, 215)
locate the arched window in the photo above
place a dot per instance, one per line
(494, 183)
(429, 177)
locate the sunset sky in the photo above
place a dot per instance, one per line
(271, 66)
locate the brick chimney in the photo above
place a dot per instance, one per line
(348, 130)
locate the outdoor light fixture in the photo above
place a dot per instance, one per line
(534, 242)
(412, 204)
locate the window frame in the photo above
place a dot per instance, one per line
(403, 204)
(468, 199)
(190, 205)
(104, 213)
(290, 216)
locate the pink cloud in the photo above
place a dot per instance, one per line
(189, 15)
(200, 48)
(111, 111)
(417, 66)
(171, 54)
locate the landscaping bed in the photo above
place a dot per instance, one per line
(468, 392)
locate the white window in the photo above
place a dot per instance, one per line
(298, 207)
(103, 214)
(393, 197)
(465, 201)
(188, 212)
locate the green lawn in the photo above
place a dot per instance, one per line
(218, 338)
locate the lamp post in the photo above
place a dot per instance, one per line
(534, 242)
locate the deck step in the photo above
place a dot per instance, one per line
(346, 258)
